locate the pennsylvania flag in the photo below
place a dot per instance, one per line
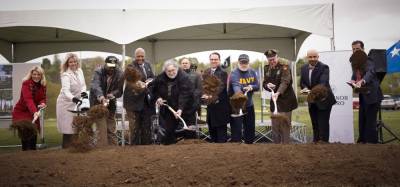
(393, 58)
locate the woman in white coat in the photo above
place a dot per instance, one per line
(72, 87)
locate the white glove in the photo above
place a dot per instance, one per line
(271, 86)
(178, 113)
(159, 102)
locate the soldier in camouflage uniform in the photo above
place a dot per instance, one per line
(277, 75)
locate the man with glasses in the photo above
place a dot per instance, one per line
(217, 111)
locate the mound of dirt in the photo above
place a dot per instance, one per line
(194, 163)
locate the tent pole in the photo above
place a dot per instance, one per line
(123, 110)
(262, 90)
(294, 65)
(153, 52)
(333, 47)
(12, 52)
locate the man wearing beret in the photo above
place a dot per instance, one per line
(244, 79)
(277, 76)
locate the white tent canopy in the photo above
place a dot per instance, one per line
(27, 33)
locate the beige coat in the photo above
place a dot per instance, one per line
(73, 84)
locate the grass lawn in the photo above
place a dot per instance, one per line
(53, 138)
(391, 119)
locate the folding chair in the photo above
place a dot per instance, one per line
(264, 130)
(298, 132)
(119, 126)
(201, 134)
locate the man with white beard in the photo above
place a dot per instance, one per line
(244, 80)
(173, 88)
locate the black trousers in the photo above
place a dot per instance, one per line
(190, 119)
(247, 123)
(320, 122)
(140, 126)
(29, 144)
(169, 123)
(218, 134)
(367, 126)
(67, 140)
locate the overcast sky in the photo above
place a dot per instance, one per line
(376, 22)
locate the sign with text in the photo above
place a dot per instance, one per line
(341, 120)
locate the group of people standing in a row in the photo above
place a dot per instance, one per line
(180, 86)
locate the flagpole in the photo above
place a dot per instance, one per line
(333, 47)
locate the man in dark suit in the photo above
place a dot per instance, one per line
(137, 103)
(195, 78)
(313, 74)
(107, 85)
(364, 76)
(218, 111)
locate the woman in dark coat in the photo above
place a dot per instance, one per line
(33, 97)
(173, 88)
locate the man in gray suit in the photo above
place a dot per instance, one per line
(137, 103)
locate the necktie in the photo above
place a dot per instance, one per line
(358, 75)
(212, 71)
(144, 71)
(109, 79)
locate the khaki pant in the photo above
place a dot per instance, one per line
(281, 131)
(106, 128)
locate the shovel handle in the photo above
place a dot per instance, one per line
(274, 100)
(179, 117)
(34, 119)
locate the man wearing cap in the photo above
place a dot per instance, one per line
(244, 80)
(106, 86)
(277, 76)
(137, 103)
(312, 74)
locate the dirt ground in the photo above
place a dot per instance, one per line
(194, 163)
